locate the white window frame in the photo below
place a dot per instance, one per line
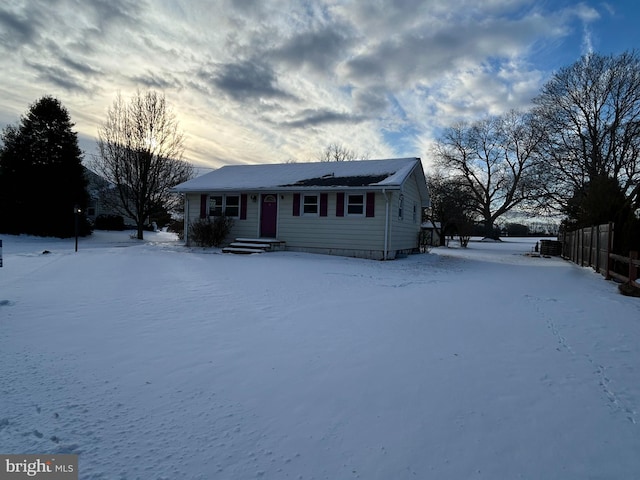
(211, 212)
(401, 207)
(303, 208)
(350, 204)
(226, 206)
(222, 208)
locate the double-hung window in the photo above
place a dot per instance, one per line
(228, 205)
(215, 206)
(232, 206)
(355, 204)
(310, 204)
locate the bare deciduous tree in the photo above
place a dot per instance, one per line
(140, 153)
(495, 159)
(590, 113)
(336, 152)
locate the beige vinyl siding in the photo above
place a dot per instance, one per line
(192, 209)
(248, 228)
(241, 228)
(404, 231)
(351, 232)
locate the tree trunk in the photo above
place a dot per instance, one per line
(488, 229)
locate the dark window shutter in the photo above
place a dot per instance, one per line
(340, 204)
(371, 204)
(243, 206)
(204, 200)
(296, 204)
(324, 199)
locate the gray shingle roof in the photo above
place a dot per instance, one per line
(390, 173)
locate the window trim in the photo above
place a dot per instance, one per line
(222, 209)
(304, 204)
(349, 204)
(211, 212)
(226, 206)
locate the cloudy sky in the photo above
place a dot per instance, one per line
(266, 81)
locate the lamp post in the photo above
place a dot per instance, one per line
(76, 212)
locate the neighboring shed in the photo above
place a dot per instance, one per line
(368, 208)
(431, 233)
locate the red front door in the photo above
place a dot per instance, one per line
(269, 215)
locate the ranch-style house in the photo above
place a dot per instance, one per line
(367, 208)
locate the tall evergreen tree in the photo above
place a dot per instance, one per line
(41, 174)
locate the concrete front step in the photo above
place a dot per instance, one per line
(260, 240)
(250, 245)
(254, 245)
(274, 243)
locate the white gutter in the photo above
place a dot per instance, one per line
(386, 224)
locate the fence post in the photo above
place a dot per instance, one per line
(584, 231)
(591, 246)
(609, 246)
(597, 252)
(633, 270)
(579, 247)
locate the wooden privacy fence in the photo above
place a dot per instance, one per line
(591, 246)
(633, 264)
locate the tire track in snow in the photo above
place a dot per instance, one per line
(604, 380)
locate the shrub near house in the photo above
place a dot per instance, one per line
(205, 232)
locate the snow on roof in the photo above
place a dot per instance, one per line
(388, 173)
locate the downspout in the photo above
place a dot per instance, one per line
(386, 224)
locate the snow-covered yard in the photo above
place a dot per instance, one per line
(154, 361)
